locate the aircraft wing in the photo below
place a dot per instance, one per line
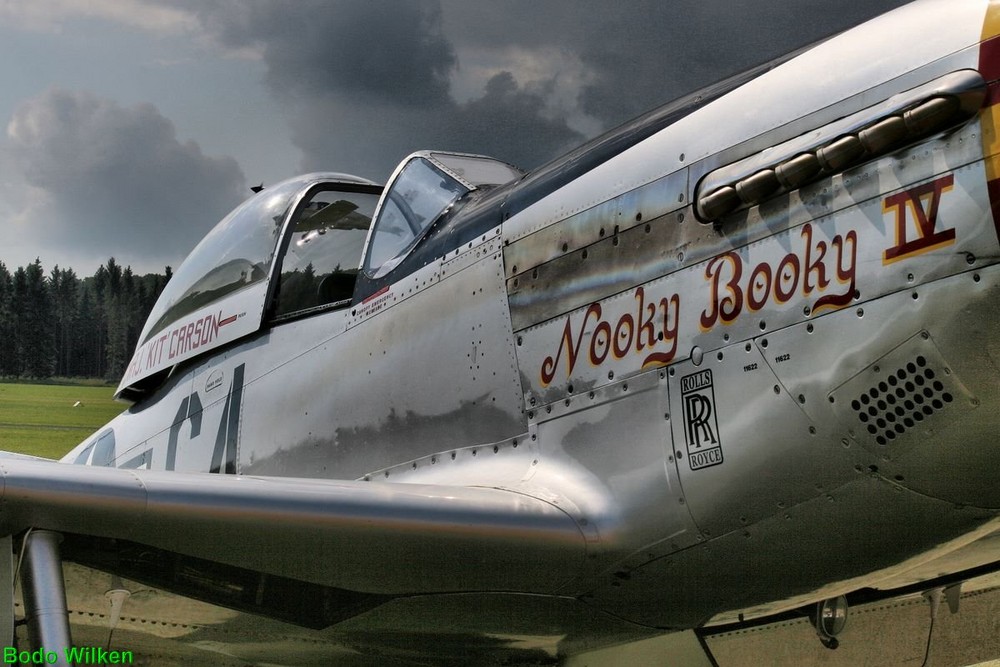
(350, 535)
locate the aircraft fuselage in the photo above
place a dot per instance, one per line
(743, 407)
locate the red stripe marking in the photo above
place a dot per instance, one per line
(376, 295)
(992, 94)
(993, 188)
(989, 59)
(228, 320)
(989, 67)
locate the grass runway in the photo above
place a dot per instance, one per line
(50, 419)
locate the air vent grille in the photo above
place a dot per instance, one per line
(893, 405)
(900, 400)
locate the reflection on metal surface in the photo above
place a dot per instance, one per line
(45, 596)
(909, 117)
(573, 416)
(347, 521)
(634, 209)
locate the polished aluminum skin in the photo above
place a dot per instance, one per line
(45, 594)
(643, 403)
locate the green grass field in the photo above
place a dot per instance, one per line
(40, 419)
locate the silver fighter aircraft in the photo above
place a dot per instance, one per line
(734, 359)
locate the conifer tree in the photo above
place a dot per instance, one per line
(8, 348)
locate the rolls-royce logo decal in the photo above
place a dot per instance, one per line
(701, 426)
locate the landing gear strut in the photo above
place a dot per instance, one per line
(45, 594)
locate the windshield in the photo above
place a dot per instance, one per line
(235, 254)
(419, 194)
(422, 189)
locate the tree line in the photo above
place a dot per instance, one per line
(61, 325)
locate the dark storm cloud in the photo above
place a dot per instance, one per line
(376, 50)
(646, 52)
(369, 82)
(686, 44)
(506, 122)
(115, 177)
(509, 122)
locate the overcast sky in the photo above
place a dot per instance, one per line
(132, 126)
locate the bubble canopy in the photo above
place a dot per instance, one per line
(235, 254)
(295, 249)
(224, 280)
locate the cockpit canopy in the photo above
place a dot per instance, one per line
(296, 248)
(293, 247)
(235, 254)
